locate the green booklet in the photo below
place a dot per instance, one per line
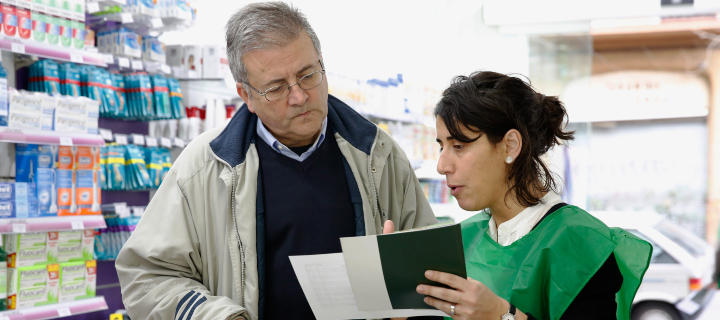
(385, 270)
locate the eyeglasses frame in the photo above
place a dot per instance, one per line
(264, 93)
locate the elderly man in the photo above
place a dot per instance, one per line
(294, 170)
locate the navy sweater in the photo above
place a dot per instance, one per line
(307, 210)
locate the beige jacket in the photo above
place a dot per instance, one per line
(193, 254)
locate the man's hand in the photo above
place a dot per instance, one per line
(389, 227)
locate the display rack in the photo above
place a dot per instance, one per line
(52, 224)
(51, 51)
(58, 310)
(16, 135)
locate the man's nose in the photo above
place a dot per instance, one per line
(297, 96)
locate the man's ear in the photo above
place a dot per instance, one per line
(245, 95)
(513, 143)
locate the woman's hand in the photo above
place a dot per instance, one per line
(472, 299)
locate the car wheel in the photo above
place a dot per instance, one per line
(655, 311)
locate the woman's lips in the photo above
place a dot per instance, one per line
(454, 190)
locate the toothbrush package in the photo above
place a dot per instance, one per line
(36, 164)
(87, 190)
(18, 200)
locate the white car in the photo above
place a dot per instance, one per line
(676, 285)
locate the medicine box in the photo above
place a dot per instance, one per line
(33, 286)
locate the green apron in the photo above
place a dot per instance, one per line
(542, 272)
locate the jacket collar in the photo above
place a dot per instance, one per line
(234, 141)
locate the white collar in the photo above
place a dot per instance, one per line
(268, 137)
(520, 225)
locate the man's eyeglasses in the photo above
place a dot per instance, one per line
(307, 82)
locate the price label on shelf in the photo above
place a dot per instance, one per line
(137, 65)
(18, 48)
(4, 318)
(138, 139)
(179, 143)
(76, 57)
(93, 7)
(151, 142)
(121, 139)
(64, 312)
(124, 62)
(77, 225)
(106, 134)
(66, 141)
(121, 209)
(108, 58)
(192, 74)
(166, 143)
(19, 228)
(156, 22)
(165, 68)
(138, 211)
(126, 17)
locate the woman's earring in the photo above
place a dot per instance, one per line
(509, 160)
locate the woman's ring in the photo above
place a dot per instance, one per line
(452, 310)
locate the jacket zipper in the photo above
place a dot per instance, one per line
(237, 235)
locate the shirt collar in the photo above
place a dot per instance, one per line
(268, 137)
(520, 225)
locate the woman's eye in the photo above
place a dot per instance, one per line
(458, 147)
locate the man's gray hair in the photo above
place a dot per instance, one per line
(263, 25)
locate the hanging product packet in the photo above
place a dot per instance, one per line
(131, 95)
(177, 107)
(69, 79)
(167, 162)
(50, 77)
(118, 82)
(84, 70)
(115, 167)
(154, 162)
(110, 96)
(161, 97)
(136, 168)
(147, 105)
(94, 86)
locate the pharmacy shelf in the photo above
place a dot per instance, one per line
(16, 135)
(451, 210)
(52, 224)
(59, 310)
(51, 51)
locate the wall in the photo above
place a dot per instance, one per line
(427, 41)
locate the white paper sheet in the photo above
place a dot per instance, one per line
(326, 285)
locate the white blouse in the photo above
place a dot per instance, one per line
(520, 225)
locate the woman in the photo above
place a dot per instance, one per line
(529, 255)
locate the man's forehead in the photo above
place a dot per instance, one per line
(280, 61)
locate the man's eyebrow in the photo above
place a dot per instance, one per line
(279, 80)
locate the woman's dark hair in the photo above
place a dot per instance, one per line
(491, 103)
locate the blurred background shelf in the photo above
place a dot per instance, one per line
(16, 135)
(59, 310)
(54, 52)
(52, 224)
